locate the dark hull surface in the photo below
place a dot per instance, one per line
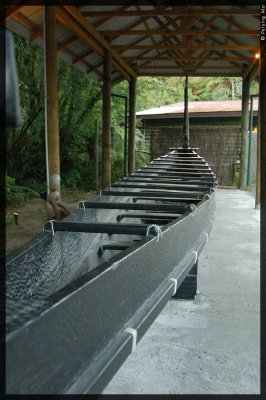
(84, 292)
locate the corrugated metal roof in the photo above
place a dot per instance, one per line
(225, 107)
(152, 40)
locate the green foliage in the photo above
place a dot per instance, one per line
(80, 104)
(18, 194)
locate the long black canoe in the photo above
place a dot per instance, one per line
(80, 296)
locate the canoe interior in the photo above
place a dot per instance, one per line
(91, 274)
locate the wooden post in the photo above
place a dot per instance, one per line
(262, 124)
(185, 138)
(257, 200)
(106, 120)
(51, 104)
(244, 133)
(96, 155)
(132, 125)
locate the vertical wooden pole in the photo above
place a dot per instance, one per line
(262, 126)
(244, 133)
(257, 200)
(125, 138)
(51, 104)
(185, 139)
(106, 120)
(132, 125)
(250, 130)
(96, 155)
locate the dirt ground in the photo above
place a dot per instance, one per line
(32, 216)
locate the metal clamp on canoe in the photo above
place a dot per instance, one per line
(82, 203)
(196, 255)
(52, 226)
(134, 334)
(194, 209)
(158, 231)
(175, 282)
(207, 236)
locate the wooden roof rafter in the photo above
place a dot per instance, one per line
(72, 19)
(215, 40)
(173, 23)
(214, 47)
(149, 36)
(168, 40)
(29, 24)
(85, 54)
(195, 59)
(187, 67)
(39, 31)
(177, 13)
(136, 23)
(152, 38)
(134, 42)
(194, 32)
(187, 25)
(119, 52)
(196, 74)
(234, 40)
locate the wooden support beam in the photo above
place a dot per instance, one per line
(173, 13)
(81, 56)
(188, 67)
(135, 24)
(244, 133)
(62, 45)
(132, 124)
(51, 102)
(183, 58)
(106, 120)
(98, 38)
(71, 24)
(195, 47)
(194, 32)
(39, 31)
(176, 41)
(232, 21)
(208, 74)
(36, 33)
(96, 66)
(25, 21)
(166, 27)
(147, 28)
(262, 128)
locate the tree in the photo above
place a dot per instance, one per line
(80, 105)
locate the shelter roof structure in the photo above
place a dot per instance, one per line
(197, 109)
(149, 40)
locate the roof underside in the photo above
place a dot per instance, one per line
(150, 40)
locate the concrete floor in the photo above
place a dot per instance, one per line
(210, 345)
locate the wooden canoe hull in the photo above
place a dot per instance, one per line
(74, 338)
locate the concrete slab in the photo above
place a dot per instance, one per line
(210, 345)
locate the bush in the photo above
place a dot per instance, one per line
(18, 194)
